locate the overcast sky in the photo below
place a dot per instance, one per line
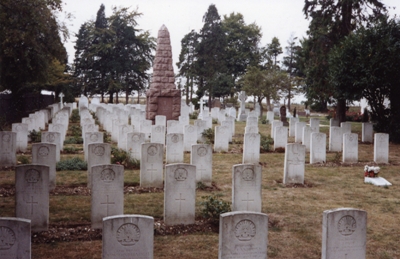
(279, 19)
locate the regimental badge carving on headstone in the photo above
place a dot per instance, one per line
(50, 137)
(43, 151)
(107, 175)
(180, 174)
(175, 138)
(248, 174)
(32, 176)
(158, 129)
(128, 234)
(94, 137)
(7, 238)
(347, 225)
(56, 128)
(245, 230)
(6, 137)
(99, 151)
(152, 150)
(135, 137)
(190, 129)
(202, 151)
(18, 128)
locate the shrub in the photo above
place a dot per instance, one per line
(266, 143)
(70, 150)
(73, 140)
(193, 115)
(24, 160)
(212, 207)
(214, 121)
(35, 136)
(122, 157)
(76, 131)
(264, 120)
(208, 135)
(72, 164)
(75, 116)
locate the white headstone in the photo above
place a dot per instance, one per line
(161, 120)
(221, 139)
(381, 148)
(270, 117)
(189, 137)
(229, 125)
(99, 154)
(306, 139)
(251, 148)
(90, 138)
(346, 127)
(246, 187)
(174, 150)
(335, 139)
(15, 238)
(22, 136)
(179, 194)
(294, 164)
(201, 157)
(251, 129)
(107, 192)
(298, 137)
(280, 137)
(200, 127)
(134, 144)
(123, 131)
(317, 148)
(158, 134)
(243, 234)
(350, 148)
(275, 124)
(45, 154)
(344, 234)
(367, 132)
(151, 165)
(32, 195)
(53, 138)
(292, 126)
(314, 124)
(334, 123)
(173, 126)
(8, 148)
(128, 236)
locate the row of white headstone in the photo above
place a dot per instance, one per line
(242, 234)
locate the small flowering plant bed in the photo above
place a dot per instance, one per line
(371, 171)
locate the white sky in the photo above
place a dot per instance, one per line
(277, 18)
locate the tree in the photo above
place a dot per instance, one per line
(187, 62)
(210, 51)
(366, 64)
(29, 44)
(290, 62)
(331, 22)
(241, 49)
(274, 49)
(264, 84)
(112, 54)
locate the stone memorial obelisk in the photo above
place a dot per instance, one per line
(163, 98)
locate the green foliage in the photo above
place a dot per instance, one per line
(264, 120)
(73, 164)
(193, 115)
(208, 135)
(70, 150)
(112, 54)
(122, 157)
(35, 136)
(213, 207)
(73, 140)
(266, 143)
(75, 117)
(76, 131)
(214, 121)
(24, 160)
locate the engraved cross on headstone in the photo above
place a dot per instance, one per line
(32, 202)
(107, 203)
(151, 171)
(247, 201)
(201, 170)
(61, 95)
(180, 201)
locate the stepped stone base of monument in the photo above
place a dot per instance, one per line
(163, 102)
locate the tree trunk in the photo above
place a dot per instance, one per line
(126, 95)
(261, 107)
(269, 104)
(102, 96)
(111, 98)
(191, 89)
(341, 110)
(288, 101)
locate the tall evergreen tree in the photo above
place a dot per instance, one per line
(211, 52)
